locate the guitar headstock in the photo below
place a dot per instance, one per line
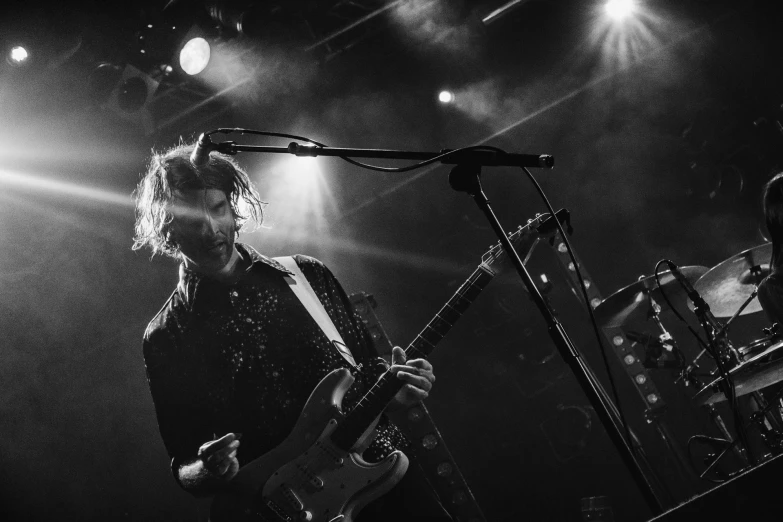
(541, 226)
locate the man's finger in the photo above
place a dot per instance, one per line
(415, 380)
(424, 364)
(222, 442)
(413, 371)
(398, 355)
(220, 454)
(415, 394)
(232, 471)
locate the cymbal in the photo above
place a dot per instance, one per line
(760, 371)
(631, 301)
(728, 284)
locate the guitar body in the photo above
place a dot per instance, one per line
(307, 477)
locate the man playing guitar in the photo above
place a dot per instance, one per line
(233, 354)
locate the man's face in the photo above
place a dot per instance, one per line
(203, 228)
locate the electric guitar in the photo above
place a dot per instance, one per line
(317, 473)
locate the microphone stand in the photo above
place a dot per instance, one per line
(725, 354)
(465, 178)
(475, 157)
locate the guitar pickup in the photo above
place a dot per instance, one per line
(312, 478)
(292, 498)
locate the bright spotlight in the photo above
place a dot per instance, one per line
(305, 172)
(619, 9)
(446, 97)
(18, 55)
(194, 56)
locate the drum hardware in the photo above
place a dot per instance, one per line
(723, 352)
(657, 348)
(634, 302)
(762, 418)
(720, 448)
(758, 371)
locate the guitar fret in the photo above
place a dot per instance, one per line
(450, 314)
(440, 325)
(429, 346)
(473, 291)
(431, 335)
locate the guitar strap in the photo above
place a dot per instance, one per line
(302, 289)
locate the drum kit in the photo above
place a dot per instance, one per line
(729, 290)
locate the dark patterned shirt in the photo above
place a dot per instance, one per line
(244, 358)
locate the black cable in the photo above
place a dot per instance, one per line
(593, 321)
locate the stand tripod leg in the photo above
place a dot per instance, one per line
(768, 425)
(738, 450)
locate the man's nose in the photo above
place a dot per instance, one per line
(209, 224)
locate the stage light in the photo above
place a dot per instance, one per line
(18, 55)
(446, 96)
(194, 56)
(619, 9)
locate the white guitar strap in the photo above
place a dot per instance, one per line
(301, 287)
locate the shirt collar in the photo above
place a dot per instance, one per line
(189, 279)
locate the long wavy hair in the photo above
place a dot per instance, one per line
(171, 171)
(773, 213)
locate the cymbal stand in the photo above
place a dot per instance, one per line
(772, 437)
(725, 355)
(665, 339)
(739, 449)
(729, 440)
(686, 373)
(725, 326)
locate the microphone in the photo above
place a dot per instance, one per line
(204, 146)
(698, 301)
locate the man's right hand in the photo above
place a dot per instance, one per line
(219, 457)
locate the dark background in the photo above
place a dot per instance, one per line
(663, 134)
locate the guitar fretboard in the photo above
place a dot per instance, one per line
(376, 399)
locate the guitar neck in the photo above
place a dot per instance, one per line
(378, 397)
(383, 391)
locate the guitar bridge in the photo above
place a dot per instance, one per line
(277, 510)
